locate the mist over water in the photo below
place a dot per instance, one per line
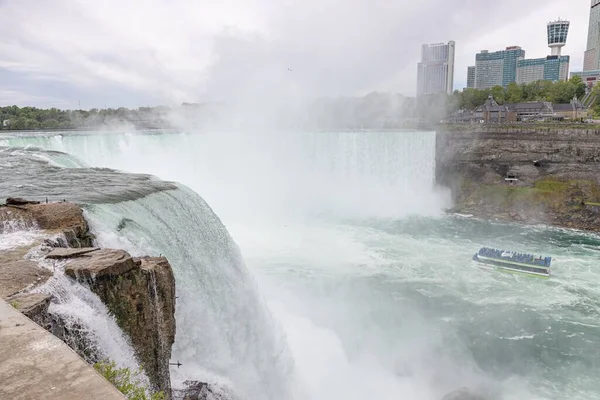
(368, 289)
(276, 175)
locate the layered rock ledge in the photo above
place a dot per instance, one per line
(530, 174)
(138, 292)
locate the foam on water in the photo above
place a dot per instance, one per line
(223, 326)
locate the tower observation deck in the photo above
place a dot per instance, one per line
(557, 35)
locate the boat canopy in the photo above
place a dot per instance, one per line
(523, 258)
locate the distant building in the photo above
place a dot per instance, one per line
(590, 78)
(498, 68)
(471, 76)
(492, 112)
(557, 36)
(551, 68)
(435, 72)
(591, 59)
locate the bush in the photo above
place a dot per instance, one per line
(127, 383)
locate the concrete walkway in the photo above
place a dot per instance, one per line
(34, 364)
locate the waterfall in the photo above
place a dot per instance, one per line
(225, 331)
(275, 175)
(223, 326)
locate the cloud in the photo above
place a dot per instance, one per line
(161, 51)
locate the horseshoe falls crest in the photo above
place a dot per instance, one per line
(349, 282)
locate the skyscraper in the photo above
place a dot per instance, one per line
(591, 59)
(498, 68)
(471, 76)
(435, 72)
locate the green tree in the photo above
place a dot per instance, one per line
(561, 92)
(579, 85)
(498, 94)
(514, 93)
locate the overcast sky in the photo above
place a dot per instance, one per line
(149, 52)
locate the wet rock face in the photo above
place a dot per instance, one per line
(140, 293)
(197, 390)
(65, 218)
(463, 394)
(557, 171)
(92, 264)
(17, 201)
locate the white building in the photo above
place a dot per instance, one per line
(435, 72)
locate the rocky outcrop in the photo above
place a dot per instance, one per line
(17, 201)
(557, 172)
(463, 394)
(34, 306)
(197, 390)
(140, 293)
(64, 218)
(18, 274)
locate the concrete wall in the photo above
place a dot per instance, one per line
(37, 365)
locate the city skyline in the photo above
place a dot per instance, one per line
(95, 55)
(536, 41)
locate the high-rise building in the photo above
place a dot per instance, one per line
(591, 59)
(435, 73)
(498, 68)
(471, 76)
(557, 36)
(554, 67)
(551, 68)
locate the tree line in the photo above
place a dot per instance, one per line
(554, 92)
(26, 118)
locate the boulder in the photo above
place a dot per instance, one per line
(17, 274)
(100, 263)
(34, 306)
(140, 293)
(17, 201)
(65, 218)
(61, 253)
(463, 394)
(197, 390)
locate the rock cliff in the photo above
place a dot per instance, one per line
(553, 173)
(139, 292)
